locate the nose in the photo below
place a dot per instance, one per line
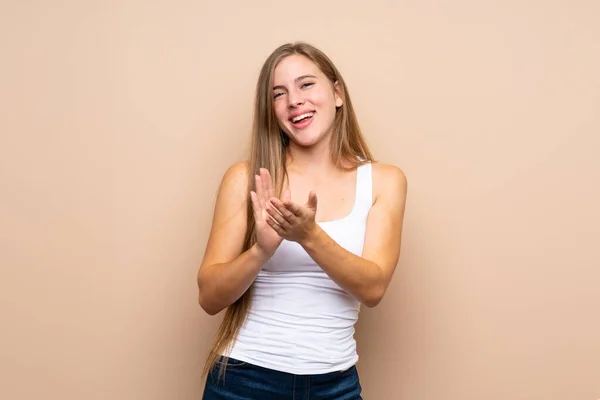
(295, 99)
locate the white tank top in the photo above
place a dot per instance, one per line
(299, 320)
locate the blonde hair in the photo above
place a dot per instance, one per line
(268, 150)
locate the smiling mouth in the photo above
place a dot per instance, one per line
(302, 117)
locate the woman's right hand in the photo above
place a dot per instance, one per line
(267, 239)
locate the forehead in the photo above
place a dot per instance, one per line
(293, 67)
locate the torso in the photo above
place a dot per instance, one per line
(300, 321)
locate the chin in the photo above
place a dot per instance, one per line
(305, 140)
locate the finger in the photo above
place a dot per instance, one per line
(295, 209)
(255, 205)
(287, 197)
(266, 185)
(276, 227)
(280, 219)
(283, 210)
(268, 182)
(312, 200)
(260, 191)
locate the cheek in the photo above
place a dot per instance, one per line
(324, 100)
(280, 112)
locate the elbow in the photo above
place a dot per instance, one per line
(374, 297)
(372, 302)
(204, 299)
(375, 291)
(210, 311)
(209, 307)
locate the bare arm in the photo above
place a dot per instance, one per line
(367, 277)
(226, 272)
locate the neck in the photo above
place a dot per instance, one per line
(311, 160)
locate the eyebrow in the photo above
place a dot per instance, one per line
(295, 80)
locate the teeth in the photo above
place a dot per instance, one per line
(300, 117)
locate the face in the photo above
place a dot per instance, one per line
(305, 100)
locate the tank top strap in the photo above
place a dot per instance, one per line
(364, 187)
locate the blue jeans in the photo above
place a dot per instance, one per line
(245, 381)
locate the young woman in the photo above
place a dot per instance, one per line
(303, 233)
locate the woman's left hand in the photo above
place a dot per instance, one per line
(292, 221)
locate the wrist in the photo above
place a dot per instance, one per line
(259, 254)
(312, 237)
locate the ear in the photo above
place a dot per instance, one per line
(337, 92)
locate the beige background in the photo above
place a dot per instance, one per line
(118, 120)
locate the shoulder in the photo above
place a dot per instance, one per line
(237, 171)
(389, 181)
(235, 179)
(388, 172)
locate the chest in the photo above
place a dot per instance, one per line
(291, 257)
(335, 197)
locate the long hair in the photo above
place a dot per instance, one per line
(269, 150)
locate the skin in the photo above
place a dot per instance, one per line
(227, 272)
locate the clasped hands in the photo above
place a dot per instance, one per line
(289, 220)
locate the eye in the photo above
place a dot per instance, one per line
(306, 84)
(276, 95)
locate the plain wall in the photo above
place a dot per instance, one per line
(118, 119)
